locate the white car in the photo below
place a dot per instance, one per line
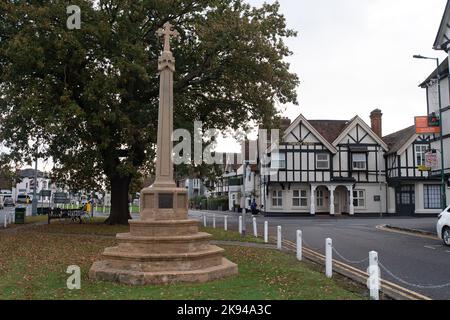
(443, 226)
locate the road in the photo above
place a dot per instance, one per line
(415, 259)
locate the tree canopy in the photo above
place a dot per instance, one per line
(89, 97)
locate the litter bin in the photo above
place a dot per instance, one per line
(20, 215)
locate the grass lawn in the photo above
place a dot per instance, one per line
(34, 260)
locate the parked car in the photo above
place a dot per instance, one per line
(443, 226)
(23, 198)
(8, 202)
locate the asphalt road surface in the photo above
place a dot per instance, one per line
(418, 260)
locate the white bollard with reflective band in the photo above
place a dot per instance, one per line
(266, 232)
(328, 257)
(279, 237)
(299, 245)
(373, 282)
(255, 228)
(240, 224)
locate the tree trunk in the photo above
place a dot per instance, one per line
(120, 213)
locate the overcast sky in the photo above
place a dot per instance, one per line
(353, 56)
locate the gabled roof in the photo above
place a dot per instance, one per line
(307, 124)
(358, 121)
(442, 29)
(329, 129)
(397, 140)
(443, 72)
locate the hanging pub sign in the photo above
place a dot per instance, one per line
(423, 125)
(431, 160)
(433, 120)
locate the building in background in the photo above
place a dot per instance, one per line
(195, 188)
(413, 189)
(25, 187)
(326, 167)
(441, 43)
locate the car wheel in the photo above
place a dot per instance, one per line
(446, 236)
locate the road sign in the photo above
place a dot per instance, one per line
(60, 197)
(45, 193)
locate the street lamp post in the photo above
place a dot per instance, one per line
(34, 202)
(438, 77)
(244, 175)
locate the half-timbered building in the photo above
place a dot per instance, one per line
(410, 189)
(326, 167)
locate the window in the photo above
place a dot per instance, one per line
(319, 198)
(278, 160)
(359, 198)
(323, 161)
(277, 198)
(432, 196)
(359, 161)
(420, 154)
(299, 198)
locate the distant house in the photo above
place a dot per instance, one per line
(25, 187)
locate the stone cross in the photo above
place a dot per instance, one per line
(167, 31)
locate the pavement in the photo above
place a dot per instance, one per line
(417, 262)
(422, 225)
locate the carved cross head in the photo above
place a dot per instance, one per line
(167, 31)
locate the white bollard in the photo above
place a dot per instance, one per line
(240, 224)
(266, 232)
(5, 223)
(204, 220)
(279, 238)
(255, 228)
(225, 223)
(299, 245)
(214, 220)
(374, 276)
(328, 257)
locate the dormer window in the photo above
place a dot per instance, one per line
(359, 161)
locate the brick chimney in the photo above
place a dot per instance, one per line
(377, 122)
(284, 124)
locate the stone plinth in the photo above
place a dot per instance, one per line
(163, 247)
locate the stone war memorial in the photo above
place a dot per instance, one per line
(164, 246)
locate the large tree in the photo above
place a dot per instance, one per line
(89, 97)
